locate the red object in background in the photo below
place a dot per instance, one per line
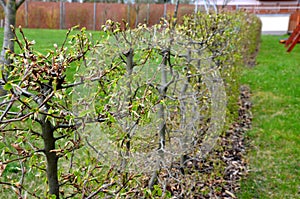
(293, 39)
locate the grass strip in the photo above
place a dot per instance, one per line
(275, 137)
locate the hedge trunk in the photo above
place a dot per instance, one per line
(52, 158)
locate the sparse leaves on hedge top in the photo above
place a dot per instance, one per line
(36, 77)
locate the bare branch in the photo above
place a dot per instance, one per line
(21, 181)
(10, 113)
(16, 185)
(83, 80)
(61, 137)
(51, 115)
(65, 40)
(6, 110)
(24, 92)
(17, 159)
(13, 130)
(94, 149)
(175, 12)
(68, 126)
(46, 99)
(100, 189)
(16, 119)
(35, 133)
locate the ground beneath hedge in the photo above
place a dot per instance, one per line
(220, 174)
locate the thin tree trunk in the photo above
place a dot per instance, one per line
(26, 14)
(137, 11)
(129, 68)
(52, 158)
(10, 8)
(95, 16)
(161, 115)
(176, 9)
(165, 10)
(161, 112)
(148, 14)
(10, 20)
(61, 15)
(128, 13)
(183, 112)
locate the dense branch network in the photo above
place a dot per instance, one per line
(139, 98)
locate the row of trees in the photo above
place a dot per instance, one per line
(122, 115)
(10, 9)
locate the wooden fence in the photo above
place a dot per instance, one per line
(55, 15)
(61, 15)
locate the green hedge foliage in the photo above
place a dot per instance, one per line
(155, 85)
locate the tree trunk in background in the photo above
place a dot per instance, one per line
(61, 15)
(176, 9)
(10, 8)
(10, 11)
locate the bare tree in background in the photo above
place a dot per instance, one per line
(10, 8)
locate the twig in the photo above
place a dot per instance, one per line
(21, 181)
(6, 102)
(100, 189)
(94, 149)
(15, 185)
(13, 160)
(16, 119)
(6, 110)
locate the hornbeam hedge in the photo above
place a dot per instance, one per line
(132, 114)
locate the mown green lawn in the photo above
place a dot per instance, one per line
(43, 38)
(274, 158)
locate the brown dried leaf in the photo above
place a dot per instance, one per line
(2, 168)
(18, 148)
